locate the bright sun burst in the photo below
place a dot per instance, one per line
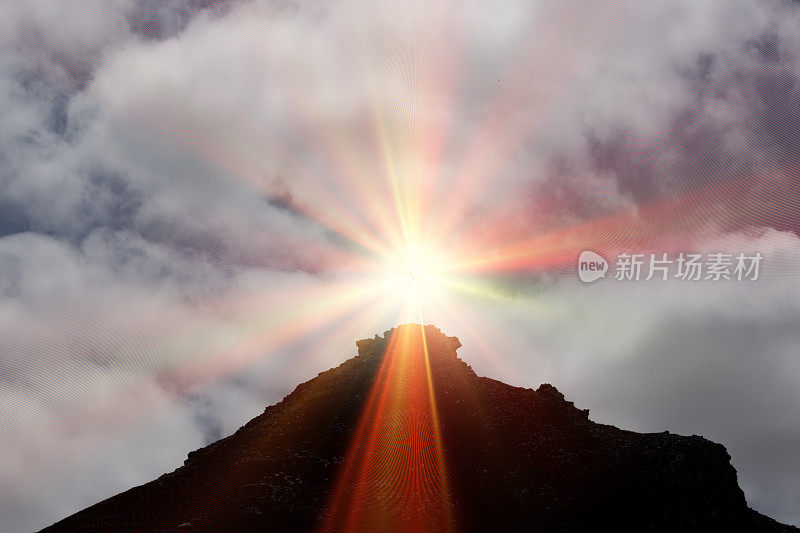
(419, 277)
(399, 198)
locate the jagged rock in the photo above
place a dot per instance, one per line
(516, 460)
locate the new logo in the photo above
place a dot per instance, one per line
(591, 266)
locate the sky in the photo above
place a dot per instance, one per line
(204, 203)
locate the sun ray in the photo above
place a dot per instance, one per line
(394, 472)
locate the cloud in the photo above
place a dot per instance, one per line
(708, 358)
(702, 107)
(182, 179)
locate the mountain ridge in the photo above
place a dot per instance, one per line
(405, 436)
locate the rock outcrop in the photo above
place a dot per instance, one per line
(406, 437)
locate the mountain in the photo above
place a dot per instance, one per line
(406, 437)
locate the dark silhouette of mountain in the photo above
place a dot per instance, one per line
(406, 437)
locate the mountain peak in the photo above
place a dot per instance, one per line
(438, 343)
(406, 437)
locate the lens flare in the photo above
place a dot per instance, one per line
(414, 219)
(394, 477)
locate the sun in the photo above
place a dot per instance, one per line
(418, 276)
(423, 262)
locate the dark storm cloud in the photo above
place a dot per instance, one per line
(160, 19)
(73, 39)
(65, 175)
(733, 135)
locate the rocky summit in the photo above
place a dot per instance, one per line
(406, 437)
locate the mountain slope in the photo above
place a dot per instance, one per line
(406, 437)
